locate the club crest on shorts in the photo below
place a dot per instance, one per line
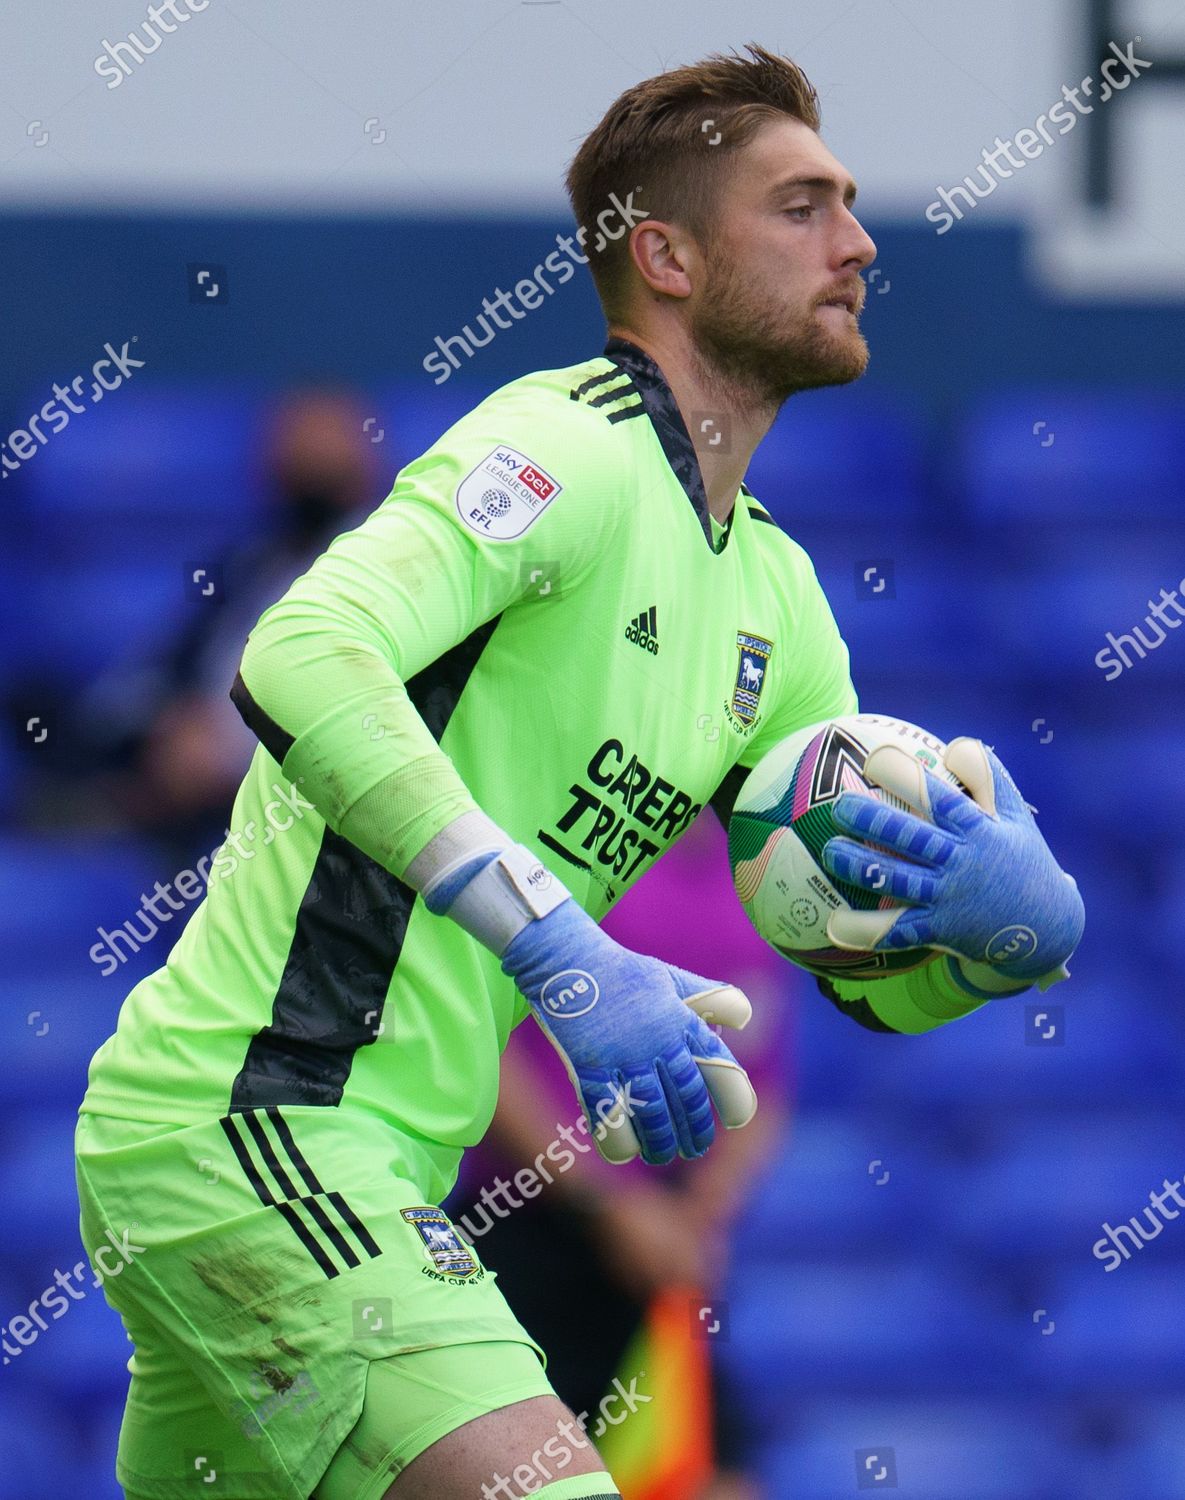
(753, 653)
(504, 495)
(447, 1251)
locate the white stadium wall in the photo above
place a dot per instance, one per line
(292, 106)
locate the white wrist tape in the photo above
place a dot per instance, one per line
(502, 899)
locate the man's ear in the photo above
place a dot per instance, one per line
(659, 252)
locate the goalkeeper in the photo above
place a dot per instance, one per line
(495, 704)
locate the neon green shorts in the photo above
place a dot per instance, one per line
(262, 1264)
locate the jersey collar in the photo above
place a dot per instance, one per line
(670, 429)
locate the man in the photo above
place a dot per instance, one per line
(482, 716)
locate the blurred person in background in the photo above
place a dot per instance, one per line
(155, 743)
(635, 1259)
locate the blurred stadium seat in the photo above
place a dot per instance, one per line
(1058, 456)
(158, 458)
(37, 1181)
(414, 413)
(40, 1444)
(842, 457)
(866, 1324)
(56, 892)
(972, 1450)
(832, 1193)
(1126, 1322)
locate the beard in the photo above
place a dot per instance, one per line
(748, 342)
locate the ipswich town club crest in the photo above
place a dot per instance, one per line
(753, 655)
(447, 1251)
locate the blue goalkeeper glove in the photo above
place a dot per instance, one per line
(633, 1032)
(978, 877)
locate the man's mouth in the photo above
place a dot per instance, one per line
(848, 302)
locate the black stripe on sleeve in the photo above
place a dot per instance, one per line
(346, 941)
(723, 799)
(276, 741)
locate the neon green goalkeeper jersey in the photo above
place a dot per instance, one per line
(544, 598)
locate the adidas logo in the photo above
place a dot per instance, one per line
(643, 630)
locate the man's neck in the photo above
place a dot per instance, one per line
(725, 423)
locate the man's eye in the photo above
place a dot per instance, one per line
(806, 209)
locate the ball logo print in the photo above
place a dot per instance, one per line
(496, 502)
(570, 993)
(783, 818)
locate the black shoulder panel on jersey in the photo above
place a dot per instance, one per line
(723, 799)
(857, 1010)
(660, 406)
(760, 515)
(348, 936)
(276, 741)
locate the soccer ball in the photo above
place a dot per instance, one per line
(782, 819)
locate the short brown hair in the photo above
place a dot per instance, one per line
(668, 137)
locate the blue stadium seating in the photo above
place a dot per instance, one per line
(37, 1180)
(868, 1324)
(1047, 618)
(1038, 1183)
(998, 1057)
(1145, 1457)
(413, 414)
(56, 891)
(897, 1314)
(40, 1445)
(60, 1017)
(77, 620)
(845, 457)
(83, 1354)
(936, 1449)
(1098, 451)
(154, 455)
(1122, 1327)
(849, 1179)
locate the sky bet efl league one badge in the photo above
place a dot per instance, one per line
(752, 659)
(504, 495)
(447, 1251)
